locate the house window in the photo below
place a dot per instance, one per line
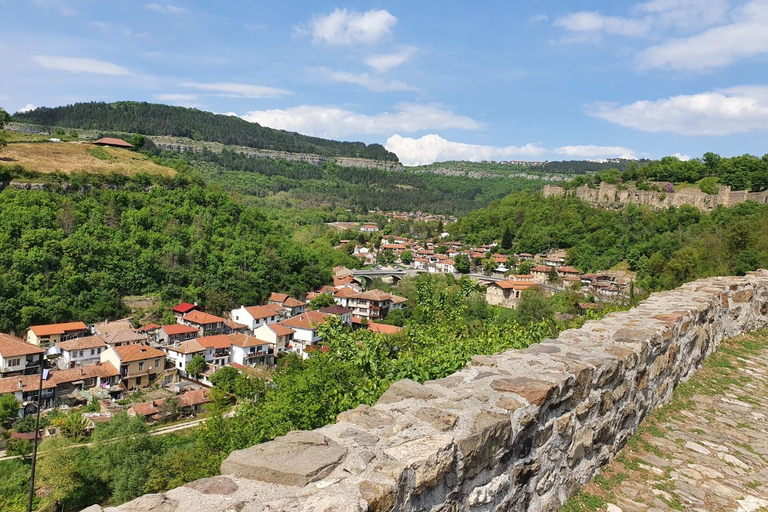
(157, 363)
(93, 351)
(141, 367)
(81, 353)
(237, 317)
(138, 381)
(14, 362)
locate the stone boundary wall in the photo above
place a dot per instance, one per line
(611, 195)
(521, 430)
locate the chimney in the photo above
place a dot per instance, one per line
(21, 384)
(81, 372)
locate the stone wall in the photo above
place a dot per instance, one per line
(612, 195)
(521, 430)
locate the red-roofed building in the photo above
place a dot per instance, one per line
(183, 309)
(50, 334)
(305, 326)
(139, 365)
(291, 307)
(206, 323)
(383, 328)
(256, 316)
(279, 336)
(173, 334)
(18, 357)
(506, 293)
(112, 142)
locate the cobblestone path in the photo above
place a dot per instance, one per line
(707, 450)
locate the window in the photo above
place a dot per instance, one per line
(81, 353)
(14, 362)
(157, 363)
(141, 367)
(138, 381)
(93, 351)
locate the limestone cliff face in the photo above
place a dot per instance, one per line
(612, 196)
(520, 430)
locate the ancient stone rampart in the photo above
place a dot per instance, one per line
(612, 195)
(521, 430)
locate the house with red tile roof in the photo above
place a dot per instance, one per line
(506, 293)
(256, 316)
(50, 334)
(173, 334)
(180, 355)
(183, 309)
(80, 351)
(113, 142)
(206, 323)
(18, 357)
(291, 307)
(305, 326)
(139, 365)
(250, 351)
(279, 336)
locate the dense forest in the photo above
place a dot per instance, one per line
(75, 254)
(157, 119)
(745, 172)
(666, 248)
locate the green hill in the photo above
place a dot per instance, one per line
(156, 119)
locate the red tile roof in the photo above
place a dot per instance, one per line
(130, 353)
(290, 302)
(200, 318)
(82, 343)
(336, 310)
(49, 329)
(184, 308)
(31, 382)
(172, 329)
(308, 320)
(149, 327)
(383, 328)
(245, 341)
(110, 141)
(188, 347)
(278, 297)
(281, 330)
(345, 293)
(11, 346)
(217, 341)
(259, 312)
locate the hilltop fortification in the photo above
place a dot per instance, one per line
(615, 196)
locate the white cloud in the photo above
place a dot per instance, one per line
(236, 90)
(80, 65)
(349, 28)
(60, 7)
(27, 108)
(372, 83)
(686, 14)
(538, 18)
(681, 157)
(335, 122)
(166, 8)
(594, 22)
(433, 148)
(716, 47)
(383, 63)
(734, 110)
(590, 151)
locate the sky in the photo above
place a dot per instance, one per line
(430, 80)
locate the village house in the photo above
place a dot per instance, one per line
(233, 327)
(383, 328)
(113, 142)
(50, 334)
(62, 386)
(187, 404)
(183, 309)
(279, 336)
(305, 330)
(291, 307)
(122, 338)
(139, 365)
(174, 334)
(369, 228)
(256, 316)
(206, 323)
(80, 351)
(112, 326)
(18, 357)
(250, 351)
(218, 349)
(541, 273)
(340, 312)
(181, 354)
(343, 296)
(372, 304)
(506, 293)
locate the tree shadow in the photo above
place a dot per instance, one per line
(7, 159)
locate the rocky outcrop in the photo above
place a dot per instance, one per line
(614, 196)
(521, 430)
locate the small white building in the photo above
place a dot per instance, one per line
(279, 336)
(80, 351)
(256, 316)
(250, 351)
(305, 327)
(18, 357)
(182, 354)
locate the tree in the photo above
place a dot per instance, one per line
(4, 118)
(524, 267)
(20, 447)
(74, 426)
(462, 264)
(406, 257)
(506, 239)
(323, 300)
(9, 410)
(553, 275)
(224, 379)
(533, 306)
(197, 365)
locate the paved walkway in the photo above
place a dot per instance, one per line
(707, 450)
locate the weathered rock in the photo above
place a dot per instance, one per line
(215, 485)
(367, 417)
(537, 392)
(488, 436)
(297, 458)
(430, 458)
(441, 420)
(405, 389)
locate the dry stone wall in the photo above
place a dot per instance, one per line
(521, 430)
(612, 195)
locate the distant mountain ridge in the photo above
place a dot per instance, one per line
(157, 119)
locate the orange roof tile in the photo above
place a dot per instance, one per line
(345, 293)
(130, 353)
(172, 329)
(216, 341)
(278, 297)
(49, 329)
(188, 347)
(259, 312)
(11, 346)
(383, 328)
(82, 343)
(308, 320)
(244, 341)
(281, 330)
(200, 318)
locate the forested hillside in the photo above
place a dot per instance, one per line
(75, 255)
(157, 119)
(666, 248)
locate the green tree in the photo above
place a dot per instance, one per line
(74, 426)
(9, 410)
(406, 257)
(224, 379)
(321, 301)
(461, 263)
(533, 306)
(506, 239)
(5, 118)
(524, 267)
(197, 365)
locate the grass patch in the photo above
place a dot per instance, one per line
(583, 501)
(101, 153)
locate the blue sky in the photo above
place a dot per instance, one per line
(430, 80)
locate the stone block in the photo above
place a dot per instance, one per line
(405, 389)
(295, 459)
(367, 417)
(441, 420)
(430, 457)
(537, 392)
(490, 434)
